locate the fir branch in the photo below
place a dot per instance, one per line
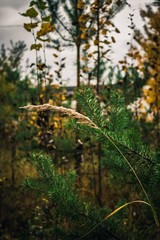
(133, 151)
(63, 193)
(95, 113)
(90, 106)
(118, 120)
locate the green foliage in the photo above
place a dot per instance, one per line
(90, 106)
(111, 153)
(127, 139)
(113, 131)
(31, 12)
(127, 160)
(10, 92)
(68, 203)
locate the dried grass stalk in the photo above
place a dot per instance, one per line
(68, 111)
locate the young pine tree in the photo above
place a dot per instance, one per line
(129, 165)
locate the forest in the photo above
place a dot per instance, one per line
(83, 161)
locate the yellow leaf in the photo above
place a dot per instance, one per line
(117, 30)
(83, 35)
(63, 98)
(31, 12)
(108, 23)
(50, 102)
(93, 29)
(41, 66)
(84, 58)
(96, 42)
(29, 26)
(45, 28)
(83, 29)
(113, 39)
(87, 46)
(80, 4)
(55, 55)
(83, 18)
(85, 69)
(101, 22)
(104, 32)
(122, 62)
(106, 42)
(124, 68)
(90, 55)
(92, 10)
(36, 46)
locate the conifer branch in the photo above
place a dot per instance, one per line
(145, 158)
(82, 119)
(51, 182)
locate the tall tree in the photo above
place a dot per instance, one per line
(68, 25)
(148, 107)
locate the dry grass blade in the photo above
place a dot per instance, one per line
(68, 111)
(112, 213)
(124, 205)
